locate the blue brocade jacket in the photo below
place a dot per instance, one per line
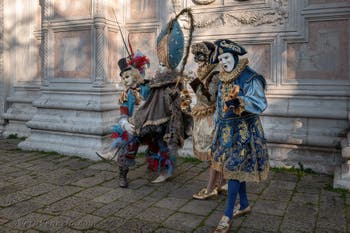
(239, 146)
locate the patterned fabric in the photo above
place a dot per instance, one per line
(202, 136)
(203, 116)
(239, 147)
(157, 157)
(126, 143)
(133, 97)
(170, 45)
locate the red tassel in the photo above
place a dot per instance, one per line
(114, 135)
(125, 136)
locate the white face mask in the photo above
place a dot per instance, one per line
(128, 79)
(227, 61)
(162, 68)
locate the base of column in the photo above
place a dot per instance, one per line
(17, 128)
(318, 159)
(342, 177)
(71, 144)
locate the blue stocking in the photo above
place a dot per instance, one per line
(233, 188)
(243, 199)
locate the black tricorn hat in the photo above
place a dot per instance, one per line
(227, 46)
(123, 65)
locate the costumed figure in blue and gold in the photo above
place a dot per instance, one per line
(162, 122)
(205, 86)
(239, 147)
(125, 143)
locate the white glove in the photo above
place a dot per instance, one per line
(125, 124)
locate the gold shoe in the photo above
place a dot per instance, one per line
(224, 225)
(203, 194)
(223, 189)
(238, 213)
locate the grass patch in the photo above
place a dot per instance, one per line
(341, 191)
(15, 136)
(141, 155)
(189, 159)
(299, 172)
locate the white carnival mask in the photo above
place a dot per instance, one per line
(227, 61)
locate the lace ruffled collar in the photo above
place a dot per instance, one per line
(229, 77)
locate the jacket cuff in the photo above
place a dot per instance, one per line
(124, 110)
(195, 83)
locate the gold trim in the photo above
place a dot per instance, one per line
(230, 76)
(217, 166)
(240, 175)
(201, 111)
(247, 176)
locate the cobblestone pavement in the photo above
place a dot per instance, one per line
(46, 192)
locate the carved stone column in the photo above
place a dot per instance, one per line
(100, 23)
(342, 173)
(44, 42)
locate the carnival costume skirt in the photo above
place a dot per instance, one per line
(202, 136)
(239, 148)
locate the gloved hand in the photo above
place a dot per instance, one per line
(127, 126)
(235, 103)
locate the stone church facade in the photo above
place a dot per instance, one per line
(59, 82)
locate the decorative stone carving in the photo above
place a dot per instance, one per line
(276, 15)
(100, 23)
(98, 7)
(44, 43)
(203, 2)
(100, 74)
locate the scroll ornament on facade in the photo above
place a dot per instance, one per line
(276, 15)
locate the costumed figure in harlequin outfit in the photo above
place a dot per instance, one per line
(205, 87)
(125, 143)
(162, 122)
(239, 147)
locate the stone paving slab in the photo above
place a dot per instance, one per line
(46, 192)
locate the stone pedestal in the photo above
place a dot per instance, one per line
(20, 111)
(72, 123)
(79, 93)
(342, 173)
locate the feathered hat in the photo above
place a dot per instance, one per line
(136, 60)
(205, 47)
